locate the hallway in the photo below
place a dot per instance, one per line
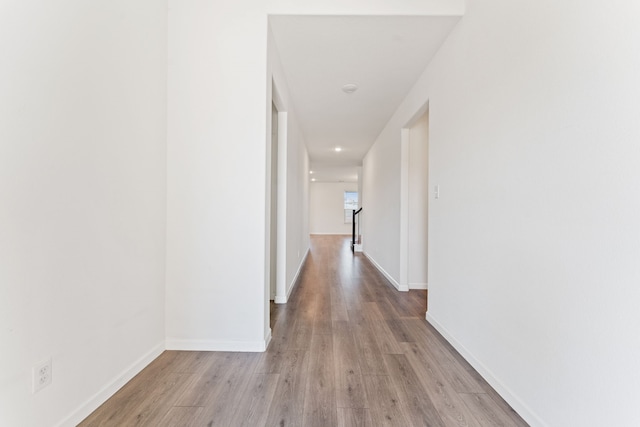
(347, 350)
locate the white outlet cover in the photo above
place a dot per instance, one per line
(42, 375)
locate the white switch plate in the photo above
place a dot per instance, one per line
(436, 191)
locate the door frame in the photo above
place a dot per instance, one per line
(404, 195)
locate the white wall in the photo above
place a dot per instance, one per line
(297, 208)
(296, 161)
(217, 127)
(533, 262)
(418, 203)
(326, 207)
(82, 207)
(381, 190)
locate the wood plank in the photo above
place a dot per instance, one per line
(302, 333)
(386, 340)
(400, 332)
(184, 416)
(412, 394)
(371, 360)
(157, 401)
(457, 376)
(386, 409)
(372, 312)
(128, 399)
(218, 409)
(193, 362)
(303, 324)
(486, 411)
(387, 309)
(320, 395)
(272, 360)
(198, 393)
(349, 383)
(449, 404)
(338, 305)
(354, 417)
(253, 407)
(322, 318)
(408, 307)
(358, 316)
(516, 419)
(287, 406)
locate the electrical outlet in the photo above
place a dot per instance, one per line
(42, 375)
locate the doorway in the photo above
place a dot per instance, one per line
(273, 205)
(276, 204)
(415, 202)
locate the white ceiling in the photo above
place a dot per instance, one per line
(333, 173)
(383, 55)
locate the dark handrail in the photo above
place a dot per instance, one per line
(353, 227)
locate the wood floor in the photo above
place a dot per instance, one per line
(347, 350)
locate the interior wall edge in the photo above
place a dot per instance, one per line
(505, 392)
(283, 299)
(389, 277)
(95, 401)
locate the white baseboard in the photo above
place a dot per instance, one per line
(422, 286)
(520, 407)
(279, 299)
(110, 389)
(212, 345)
(387, 275)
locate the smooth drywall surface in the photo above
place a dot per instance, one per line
(297, 207)
(533, 254)
(326, 207)
(381, 190)
(295, 162)
(218, 111)
(366, 7)
(418, 180)
(82, 210)
(216, 175)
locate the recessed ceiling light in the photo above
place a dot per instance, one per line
(338, 149)
(349, 88)
(313, 179)
(310, 171)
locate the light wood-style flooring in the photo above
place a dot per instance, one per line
(347, 350)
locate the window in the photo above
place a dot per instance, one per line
(350, 204)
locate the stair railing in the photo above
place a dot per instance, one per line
(355, 223)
